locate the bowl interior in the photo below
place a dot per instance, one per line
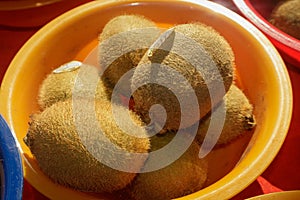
(258, 12)
(260, 73)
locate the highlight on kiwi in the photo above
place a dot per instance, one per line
(59, 85)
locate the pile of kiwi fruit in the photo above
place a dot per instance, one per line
(75, 102)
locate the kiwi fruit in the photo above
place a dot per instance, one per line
(239, 118)
(122, 43)
(67, 147)
(182, 177)
(60, 85)
(286, 17)
(198, 53)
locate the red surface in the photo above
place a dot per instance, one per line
(282, 174)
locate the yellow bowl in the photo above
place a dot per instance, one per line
(286, 195)
(260, 71)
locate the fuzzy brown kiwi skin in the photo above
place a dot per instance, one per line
(60, 87)
(131, 34)
(182, 177)
(286, 17)
(239, 118)
(55, 144)
(221, 54)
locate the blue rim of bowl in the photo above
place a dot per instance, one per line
(12, 182)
